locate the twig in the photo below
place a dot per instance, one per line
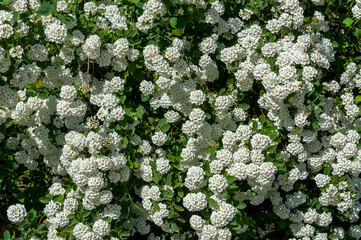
(8, 3)
(137, 205)
(87, 72)
(36, 230)
(166, 37)
(263, 113)
(27, 220)
(198, 77)
(171, 135)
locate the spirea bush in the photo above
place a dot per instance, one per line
(180, 119)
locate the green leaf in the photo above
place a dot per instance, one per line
(42, 96)
(125, 234)
(181, 11)
(179, 208)
(358, 33)
(334, 44)
(156, 206)
(211, 151)
(181, 220)
(15, 16)
(46, 9)
(58, 198)
(245, 106)
(67, 20)
(177, 32)
(169, 180)
(241, 205)
(101, 10)
(31, 215)
(174, 227)
(173, 22)
(45, 200)
(315, 124)
(131, 33)
(156, 177)
(327, 170)
(6, 235)
(272, 149)
(212, 201)
(317, 111)
(165, 128)
(153, 165)
(168, 193)
(358, 98)
(5, 2)
(180, 193)
(125, 142)
(347, 22)
(231, 179)
(162, 121)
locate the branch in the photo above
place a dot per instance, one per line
(171, 135)
(87, 72)
(166, 37)
(8, 3)
(199, 77)
(263, 113)
(36, 230)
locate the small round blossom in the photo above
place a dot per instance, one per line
(163, 165)
(101, 227)
(195, 201)
(80, 230)
(159, 138)
(6, 30)
(217, 183)
(55, 32)
(38, 52)
(16, 51)
(68, 93)
(197, 97)
(146, 87)
(16, 213)
(197, 222)
(171, 116)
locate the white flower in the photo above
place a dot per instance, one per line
(16, 213)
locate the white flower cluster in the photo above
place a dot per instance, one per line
(16, 213)
(83, 125)
(152, 10)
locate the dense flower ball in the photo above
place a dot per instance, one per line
(217, 183)
(159, 138)
(195, 201)
(101, 227)
(56, 32)
(16, 213)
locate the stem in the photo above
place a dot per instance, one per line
(199, 77)
(90, 107)
(8, 4)
(87, 72)
(137, 205)
(166, 37)
(36, 230)
(171, 135)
